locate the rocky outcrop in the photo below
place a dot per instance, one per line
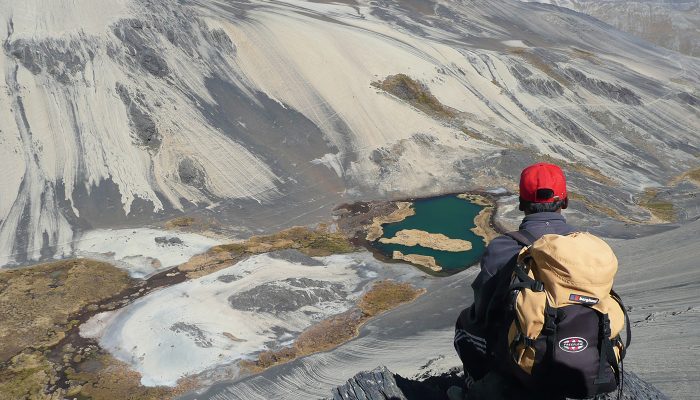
(382, 384)
(426, 261)
(403, 210)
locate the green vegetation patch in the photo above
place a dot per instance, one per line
(96, 375)
(105, 378)
(386, 295)
(180, 222)
(659, 208)
(312, 242)
(692, 175)
(41, 356)
(26, 377)
(416, 93)
(36, 302)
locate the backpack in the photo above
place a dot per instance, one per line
(560, 332)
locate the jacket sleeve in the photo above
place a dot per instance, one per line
(496, 256)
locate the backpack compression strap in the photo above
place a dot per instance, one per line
(628, 326)
(525, 239)
(607, 354)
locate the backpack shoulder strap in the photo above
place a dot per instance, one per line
(523, 237)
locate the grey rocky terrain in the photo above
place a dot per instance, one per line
(251, 116)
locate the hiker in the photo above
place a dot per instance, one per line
(481, 328)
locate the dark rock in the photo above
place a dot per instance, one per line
(606, 89)
(382, 384)
(379, 384)
(229, 278)
(534, 86)
(191, 173)
(133, 34)
(62, 59)
(295, 256)
(193, 332)
(287, 295)
(688, 98)
(142, 124)
(168, 241)
(567, 128)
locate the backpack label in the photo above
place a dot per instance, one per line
(573, 344)
(579, 298)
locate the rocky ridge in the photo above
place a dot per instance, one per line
(381, 384)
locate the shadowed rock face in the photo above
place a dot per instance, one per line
(131, 33)
(142, 124)
(287, 295)
(382, 384)
(62, 59)
(191, 173)
(542, 87)
(602, 88)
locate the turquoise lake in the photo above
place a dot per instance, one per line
(448, 215)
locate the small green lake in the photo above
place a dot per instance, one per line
(448, 215)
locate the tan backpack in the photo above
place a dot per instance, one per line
(566, 319)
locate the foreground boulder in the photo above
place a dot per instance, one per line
(382, 384)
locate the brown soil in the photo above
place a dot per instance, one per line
(43, 355)
(692, 175)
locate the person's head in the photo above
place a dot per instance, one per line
(542, 189)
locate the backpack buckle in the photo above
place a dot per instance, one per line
(537, 286)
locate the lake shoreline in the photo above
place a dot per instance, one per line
(353, 219)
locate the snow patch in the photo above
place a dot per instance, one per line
(196, 325)
(143, 251)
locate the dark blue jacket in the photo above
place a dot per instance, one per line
(504, 248)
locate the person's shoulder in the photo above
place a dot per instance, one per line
(502, 241)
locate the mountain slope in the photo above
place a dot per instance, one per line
(671, 24)
(267, 114)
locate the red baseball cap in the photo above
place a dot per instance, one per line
(542, 183)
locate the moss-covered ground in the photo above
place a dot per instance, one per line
(415, 93)
(659, 208)
(41, 354)
(312, 242)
